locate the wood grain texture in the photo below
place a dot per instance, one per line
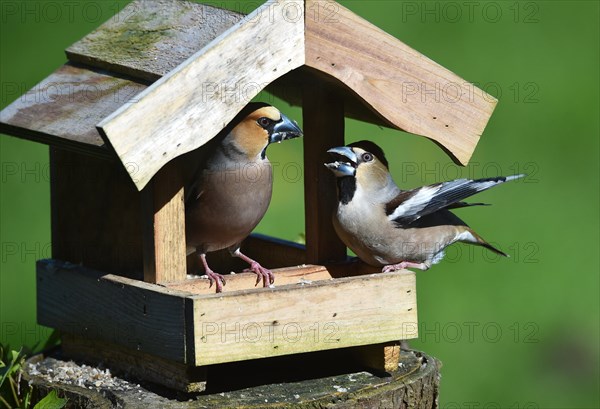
(64, 108)
(164, 227)
(306, 274)
(410, 91)
(149, 38)
(323, 122)
(327, 314)
(96, 215)
(385, 82)
(379, 357)
(131, 313)
(215, 328)
(191, 104)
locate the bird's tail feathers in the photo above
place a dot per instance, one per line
(474, 238)
(513, 177)
(458, 205)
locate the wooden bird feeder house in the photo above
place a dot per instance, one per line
(159, 80)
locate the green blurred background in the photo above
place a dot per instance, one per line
(512, 333)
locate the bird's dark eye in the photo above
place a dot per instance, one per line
(264, 122)
(367, 157)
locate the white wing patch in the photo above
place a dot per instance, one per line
(465, 236)
(416, 202)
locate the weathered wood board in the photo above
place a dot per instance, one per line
(192, 103)
(150, 38)
(301, 274)
(409, 90)
(64, 109)
(290, 319)
(380, 79)
(298, 315)
(131, 313)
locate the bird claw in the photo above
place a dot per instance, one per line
(216, 278)
(402, 265)
(387, 269)
(262, 273)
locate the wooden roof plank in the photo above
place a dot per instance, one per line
(63, 109)
(381, 80)
(148, 39)
(210, 88)
(406, 88)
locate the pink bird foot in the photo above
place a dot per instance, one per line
(262, 274)
(403, 265)
(213, 277)
(218, 279)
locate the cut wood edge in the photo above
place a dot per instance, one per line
(141, 131)
(379, 357)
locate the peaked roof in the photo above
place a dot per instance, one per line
(208, 63)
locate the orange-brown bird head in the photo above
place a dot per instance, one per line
(257, 126)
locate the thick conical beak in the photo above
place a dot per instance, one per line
(284, 129)
(346, 161)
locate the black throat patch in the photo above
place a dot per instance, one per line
(346, 188)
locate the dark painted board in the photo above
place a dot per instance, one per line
(144, 317)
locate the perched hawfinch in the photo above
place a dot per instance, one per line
(393, 228)
(231, 190)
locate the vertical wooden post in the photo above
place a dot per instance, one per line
(163, 215)
(379, 357)
(323, 123)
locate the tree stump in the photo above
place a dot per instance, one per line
(414, 385)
